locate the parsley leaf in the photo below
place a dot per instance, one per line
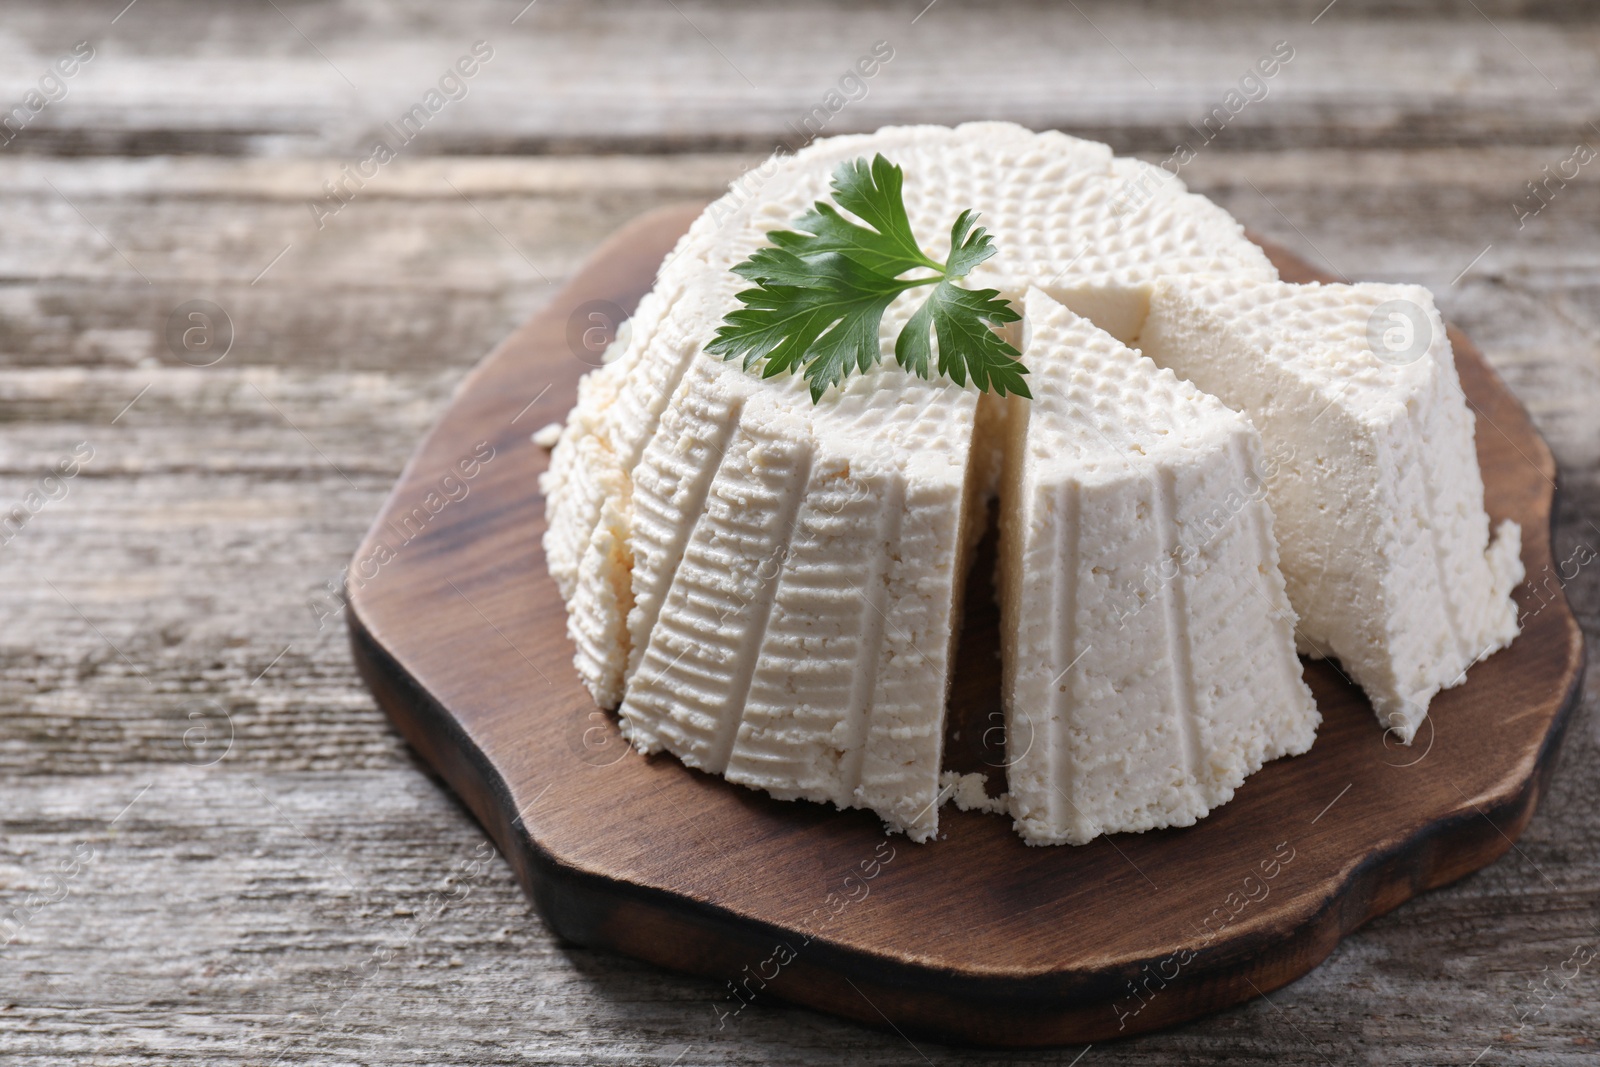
(820, 294)
(821, 313)
(873, 195)
(960, 318)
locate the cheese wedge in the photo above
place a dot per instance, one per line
(1147, 641)
(1375, 484)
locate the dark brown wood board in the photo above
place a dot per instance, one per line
(459, 631)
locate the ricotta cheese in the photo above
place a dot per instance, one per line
(769, 589)
(1147, 642)
(1378, 496)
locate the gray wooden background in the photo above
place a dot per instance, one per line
(213, 849)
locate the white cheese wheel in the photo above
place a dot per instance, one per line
(1148, 645)
(1378, 498)
(770, 589)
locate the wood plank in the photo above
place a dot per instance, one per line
(300, 78)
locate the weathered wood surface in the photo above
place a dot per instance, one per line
(293, 76)
(312, 895)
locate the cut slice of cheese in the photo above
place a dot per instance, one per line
(1375, 480)
(1147, 641)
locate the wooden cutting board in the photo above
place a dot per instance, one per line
(975, 937)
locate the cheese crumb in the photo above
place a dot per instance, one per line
(547, 437)
(969, 793)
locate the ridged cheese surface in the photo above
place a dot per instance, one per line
(1147, 639)
(796, 572)
(1378, 496)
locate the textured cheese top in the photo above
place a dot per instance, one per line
(1058, 208)
(1323, 335)
(1108, 410)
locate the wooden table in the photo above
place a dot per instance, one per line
(213, 849)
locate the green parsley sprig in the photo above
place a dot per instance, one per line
(822, 288)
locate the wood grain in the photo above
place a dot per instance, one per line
(639, 76)
(458, 628)
(213, 927)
